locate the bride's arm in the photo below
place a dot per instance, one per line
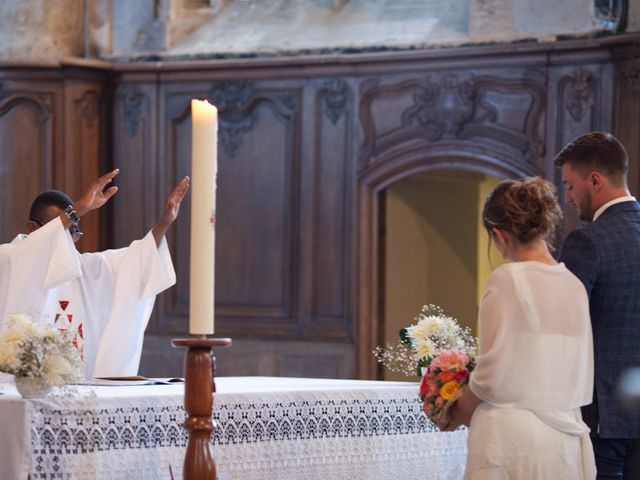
(495, 308)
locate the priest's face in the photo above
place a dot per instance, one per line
(578, 192)
(49, 213)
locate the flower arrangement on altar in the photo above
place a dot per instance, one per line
(433, 332)
(31, 350)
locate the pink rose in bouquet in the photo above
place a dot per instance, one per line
(442, 385)
(452, 360)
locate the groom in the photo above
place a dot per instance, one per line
(605, 255)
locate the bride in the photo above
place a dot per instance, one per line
(535, 367)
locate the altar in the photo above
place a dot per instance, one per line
(266, 428)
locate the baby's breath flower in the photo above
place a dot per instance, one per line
(433, 332)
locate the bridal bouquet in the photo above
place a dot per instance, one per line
(433, 333)
(33, 350)
(442, 385)
(440, 351)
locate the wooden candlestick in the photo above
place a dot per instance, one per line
(199, 385)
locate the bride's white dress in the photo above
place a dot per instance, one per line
(534, 371)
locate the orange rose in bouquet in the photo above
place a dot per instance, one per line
(442, 385)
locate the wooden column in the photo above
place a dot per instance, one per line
(199, 373)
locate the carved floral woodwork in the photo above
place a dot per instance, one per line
(236, 103)
(335, 94)
(580, 94)
(457, 108)
(88, 106)
(132, 102)
(630, 72)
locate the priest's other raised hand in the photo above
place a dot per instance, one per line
(171, 209)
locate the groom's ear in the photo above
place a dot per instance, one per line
(596, 180)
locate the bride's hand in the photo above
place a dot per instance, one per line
(465, 406)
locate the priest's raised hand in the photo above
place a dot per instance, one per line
(171, 209)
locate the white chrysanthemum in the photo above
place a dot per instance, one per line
(432, 332)
(426, 327)
(424, 348)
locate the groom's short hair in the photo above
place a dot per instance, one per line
(598, 151)
(46, 199)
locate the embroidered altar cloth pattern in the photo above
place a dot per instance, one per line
(341, 433)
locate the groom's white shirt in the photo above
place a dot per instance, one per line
(601, 210)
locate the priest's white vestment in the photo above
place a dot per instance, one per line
(105, 298)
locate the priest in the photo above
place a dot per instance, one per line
(104, 298)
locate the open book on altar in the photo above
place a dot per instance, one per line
(128, 381)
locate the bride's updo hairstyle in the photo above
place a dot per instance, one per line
(527, 209)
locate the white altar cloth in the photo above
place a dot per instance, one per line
(266, 428)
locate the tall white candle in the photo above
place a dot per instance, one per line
(204, 168)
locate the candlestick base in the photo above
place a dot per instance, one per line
(199, 379)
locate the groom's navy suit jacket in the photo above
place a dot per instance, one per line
(605, 256)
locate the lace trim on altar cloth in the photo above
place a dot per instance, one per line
(268, 430)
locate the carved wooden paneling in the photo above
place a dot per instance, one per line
(303, 160)
(627, 103)
(134, 153)
(257, 221)
(27, 136)
(264, 357)
(84, 157)
(502, 113)
(174, 162)
(579, 102)
(333, 209)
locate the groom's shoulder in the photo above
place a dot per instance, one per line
(616, 217)
(620, 225)
(591, 236)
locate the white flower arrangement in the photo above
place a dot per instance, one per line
(35, 350)
(433, 332)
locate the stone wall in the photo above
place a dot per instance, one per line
(41, 30)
